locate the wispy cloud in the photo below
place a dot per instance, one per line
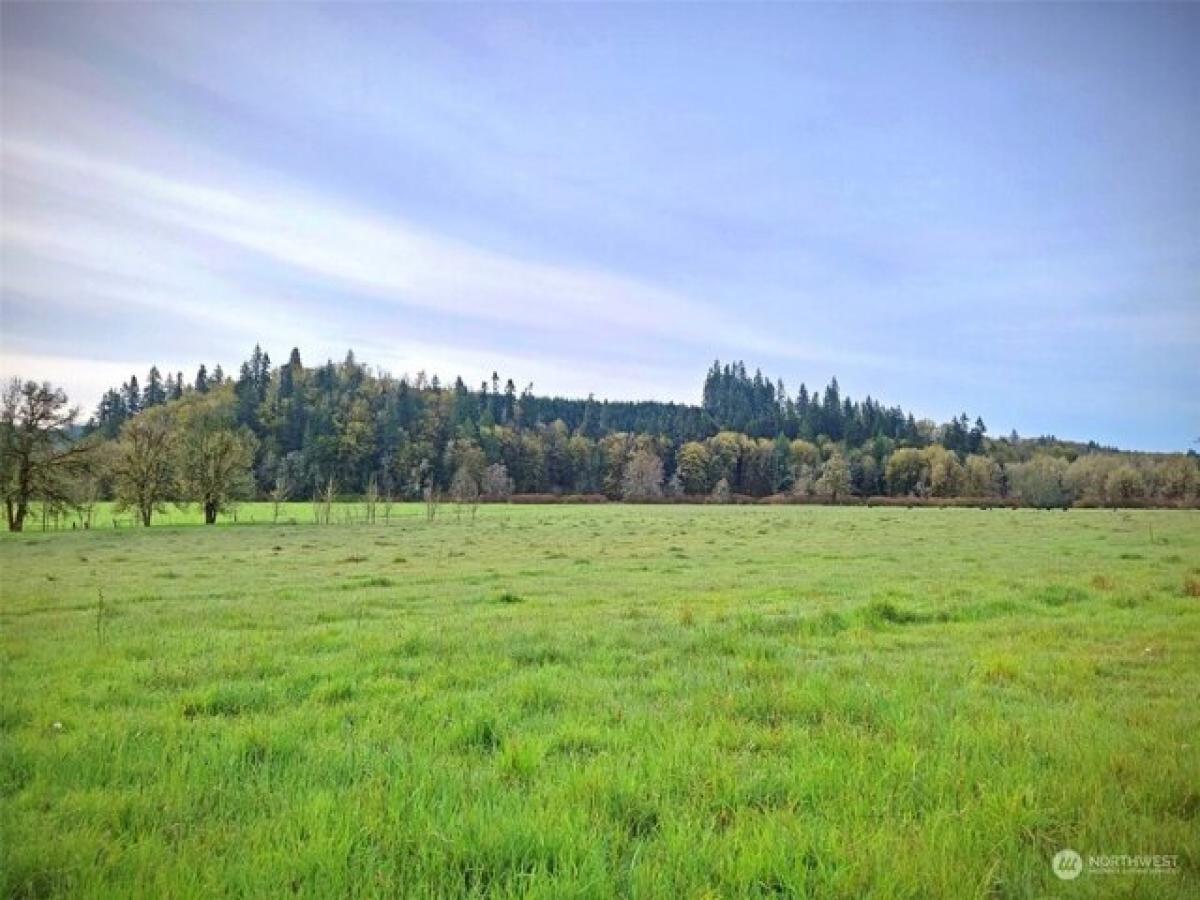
(125, 235)
(387, 259)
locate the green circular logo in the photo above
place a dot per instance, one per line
(1067, 865)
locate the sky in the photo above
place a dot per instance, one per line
(990, 209)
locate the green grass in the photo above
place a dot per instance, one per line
(597, 701)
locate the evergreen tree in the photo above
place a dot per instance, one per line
(509, 408)
(155, 393)
(110, 414)
(132, 395)
(831, 411)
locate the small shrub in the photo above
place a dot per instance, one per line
(509, 597)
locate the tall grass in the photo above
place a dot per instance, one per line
(602, 701)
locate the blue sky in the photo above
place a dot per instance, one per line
(990, 209)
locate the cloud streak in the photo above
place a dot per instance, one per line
(384, 258)
(124, 236)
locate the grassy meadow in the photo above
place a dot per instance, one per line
(596, 701)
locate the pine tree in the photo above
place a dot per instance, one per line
(110, 414)
(155, 394)
(975, 441)
(509, 409)
(831, 411)
(132, 395)
(288, 375)
(246, 392)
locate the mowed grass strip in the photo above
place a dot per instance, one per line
(602, 701)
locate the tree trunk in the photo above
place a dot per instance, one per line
(210, 513)
(16, 521)
(146, 511)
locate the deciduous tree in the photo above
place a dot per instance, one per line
(835, 478)
(213, 456)
(39, 453)
(694, 465)
(907, 471)
(143, 464)
(1124, 484)
(981, 476)
(1041, 481)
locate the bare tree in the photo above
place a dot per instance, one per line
(464, 488)
(328, 494)
(643, 476)
(422, 478)
(280, 494)
(39, 454)
(432, 498)
(372, 498)
(721, 492)
(496, 484)
(87, 494)
(388, 499)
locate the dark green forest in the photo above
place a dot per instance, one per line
(348, 427)
(345, 430)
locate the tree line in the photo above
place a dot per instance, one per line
(345, 429)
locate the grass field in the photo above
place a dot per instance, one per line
(597, 701)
